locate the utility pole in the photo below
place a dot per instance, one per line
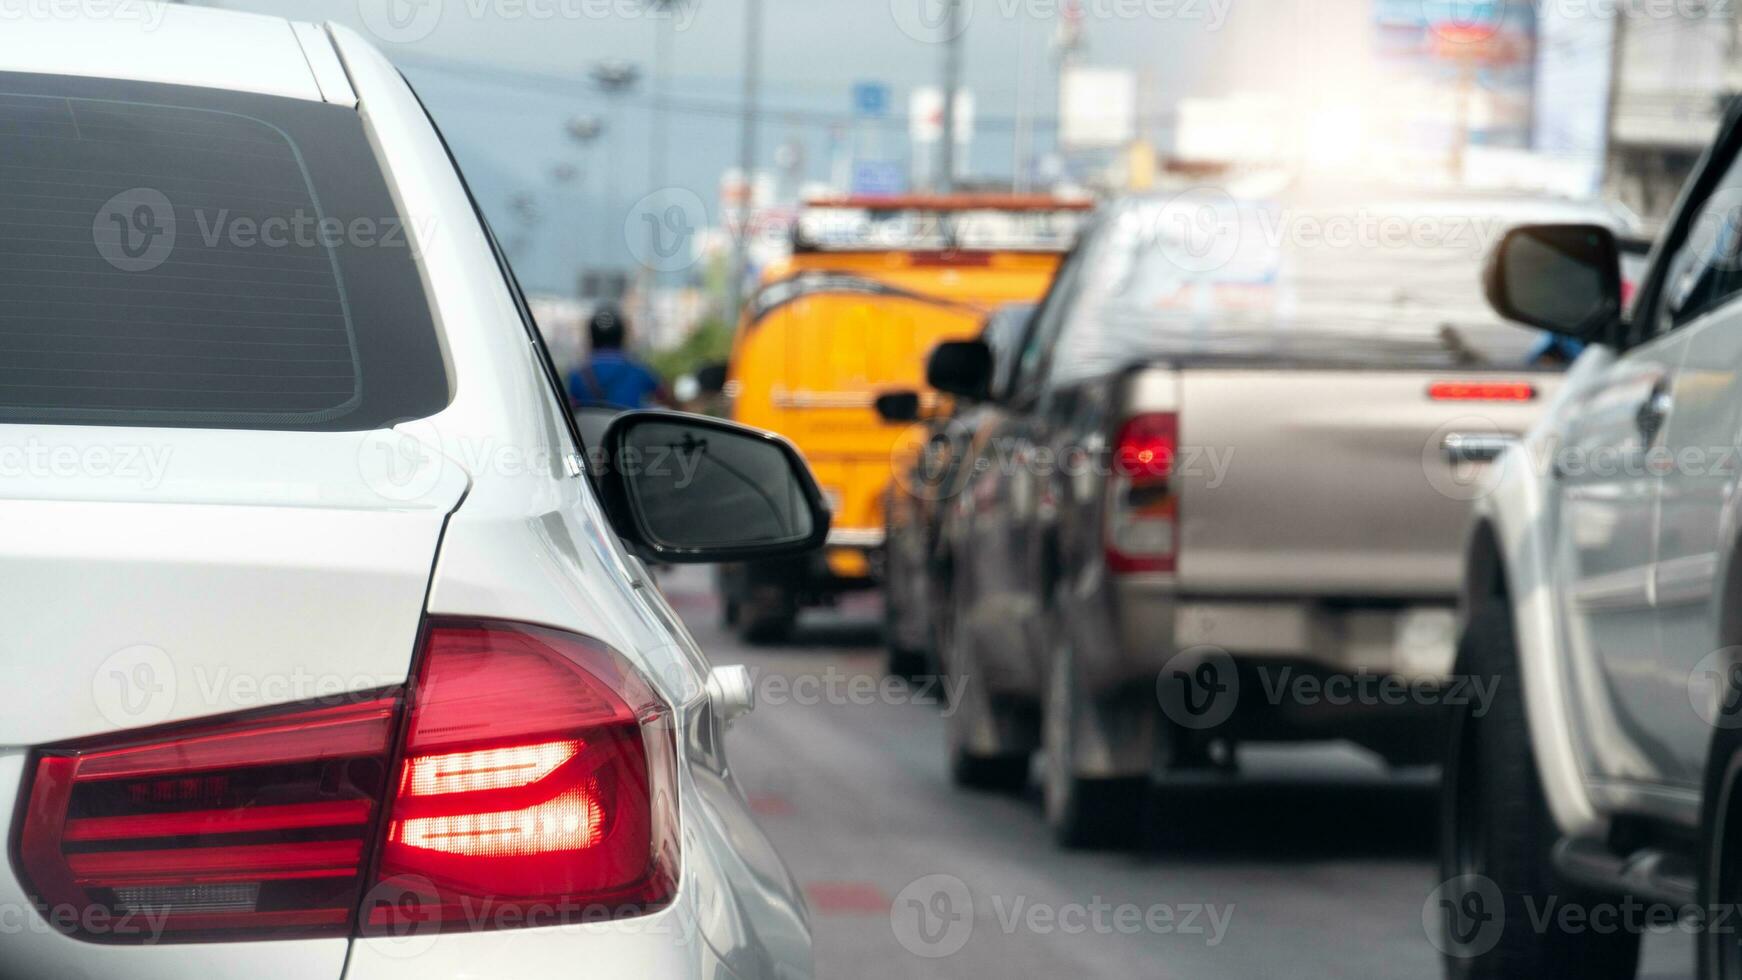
(946, 179)
(614, 78)
(746, 156)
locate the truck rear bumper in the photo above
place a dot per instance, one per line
(1303, 669)
(1413, 640)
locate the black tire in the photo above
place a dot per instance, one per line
(908, 664)
(1720, 942)
(1497, 835)
(1002, 774)
(767, 616)
(767, 628)
(1084, 814)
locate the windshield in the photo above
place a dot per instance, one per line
(177, 256)
(1209, 272)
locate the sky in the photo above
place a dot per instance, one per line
(501, 77)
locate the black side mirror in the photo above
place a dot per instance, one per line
(898, 406)
(1562, 278)
(695, 490)
(711, 378)
(962, 368)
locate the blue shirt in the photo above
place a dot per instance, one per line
(612, 379)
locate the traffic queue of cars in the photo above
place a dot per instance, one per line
(1394, 458)
(1192, 484)
(872, 285)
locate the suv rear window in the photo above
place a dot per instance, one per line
(176, 256)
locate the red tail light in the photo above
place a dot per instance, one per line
(538, 785)
(1142, 527)
(535, 784)
(1482, 391)
(251, 827)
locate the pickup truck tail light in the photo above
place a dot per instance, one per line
(525, 777)
(1142, 525)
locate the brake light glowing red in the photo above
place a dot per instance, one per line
(535, 783)
(1142, 522)
(1482, 391)
(539, 780)
(1147, 446)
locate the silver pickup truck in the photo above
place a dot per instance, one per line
(1223, 497)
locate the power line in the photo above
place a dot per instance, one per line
(555, 85)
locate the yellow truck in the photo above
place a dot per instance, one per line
(872, 286)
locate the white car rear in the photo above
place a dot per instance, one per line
(324, 657)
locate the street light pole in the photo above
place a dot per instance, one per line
(584, 131)
(746, 154)
(946, 177)
(615, 79)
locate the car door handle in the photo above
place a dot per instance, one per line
(1476, 447)
(1652, 414)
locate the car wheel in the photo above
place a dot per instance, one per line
(1720, 942)
(767, 616)
(904, 661)
(1496, 837)
(1083, 813)
(998, 772)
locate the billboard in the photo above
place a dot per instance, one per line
(1465, 68)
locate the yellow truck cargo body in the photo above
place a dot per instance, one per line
(829, 332)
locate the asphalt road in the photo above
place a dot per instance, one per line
(1309, 863)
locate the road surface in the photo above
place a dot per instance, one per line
(1311, 863)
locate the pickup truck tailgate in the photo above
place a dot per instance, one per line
(1333, 482)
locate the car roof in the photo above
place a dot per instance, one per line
(172, 43)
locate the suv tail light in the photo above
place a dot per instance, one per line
(1142, 525)
(534, 784)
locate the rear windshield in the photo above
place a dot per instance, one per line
(175, 256)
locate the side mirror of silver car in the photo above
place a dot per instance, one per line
(1565, 279)
(688, 489)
